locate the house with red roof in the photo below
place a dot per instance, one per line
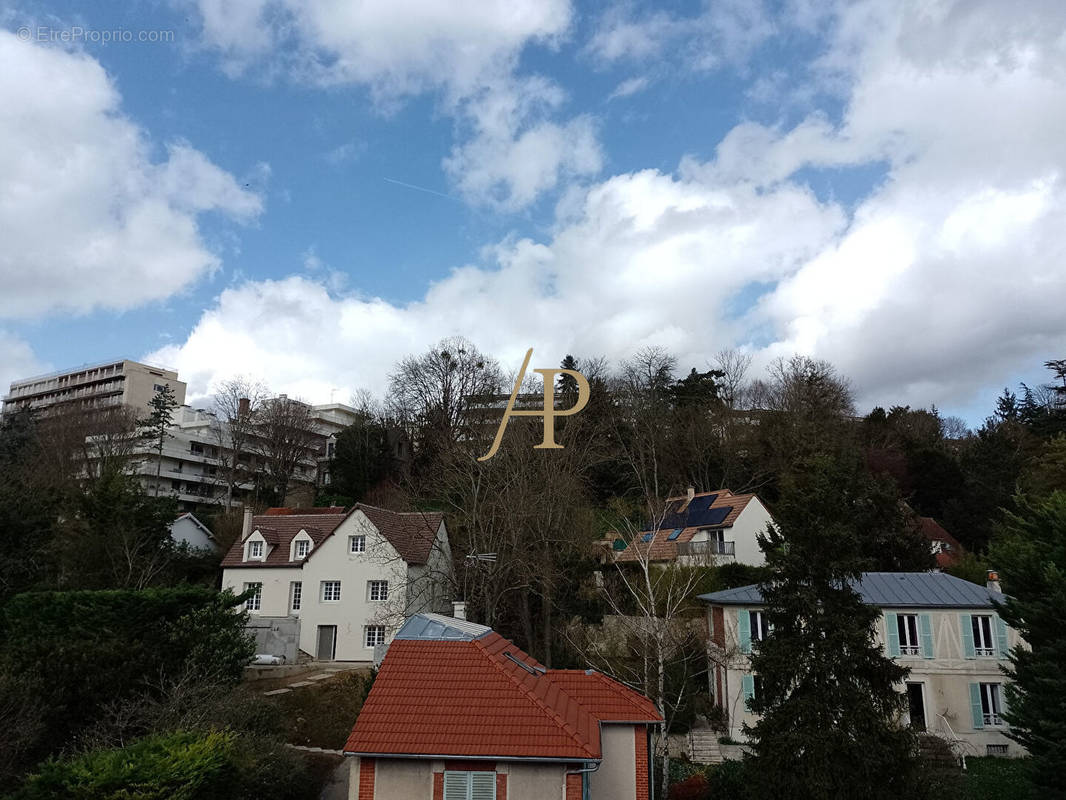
(701, 528)
(946, 548)
(343, 580)
(457, 712)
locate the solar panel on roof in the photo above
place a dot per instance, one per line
(676, 532)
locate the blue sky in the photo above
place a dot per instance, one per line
(318, 191)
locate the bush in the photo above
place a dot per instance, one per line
(323, 715)
(729, 779)
(181, 766)
(692, 788)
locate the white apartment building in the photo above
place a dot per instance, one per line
(945, 629)
(111, 383)
(346, 580)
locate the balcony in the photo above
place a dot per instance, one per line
(712, 548)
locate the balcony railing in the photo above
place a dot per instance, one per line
(711, 548)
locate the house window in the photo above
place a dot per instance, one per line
(302, 546)
(331, 591)
(296, 592)
(907, 625)
(374, 635)
(253, 603)
(255, 549)
(760, 628)
(982, 635)
(995, 749)
(357, 543)
(469, 785)
(991, 707)
(378, 590)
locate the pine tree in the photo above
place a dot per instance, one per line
(1030, 553)
(157, 422)
(830, 710)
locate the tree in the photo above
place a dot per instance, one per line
(362, 458)
(1030, 553)
(157, 424)
(237, 405)
(286, 435)
(829, 725)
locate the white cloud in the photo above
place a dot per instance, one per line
(945, 279)
(17, 360)
(466, 53)
(629, 87)
(89, 218)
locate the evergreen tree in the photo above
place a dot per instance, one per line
(830, 711)
(157, 422)
(1030, 553)
(361, 460)
(567, 386)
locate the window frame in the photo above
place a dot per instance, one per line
(306, 544)
(758, 626)
(992, 704)
(984, 643)
(255, 602)
(353, 539)
(467, 792)
(910, 638)
(256, 545)
(379, 631)
(326, 585)
(382, 589)
(296, 593)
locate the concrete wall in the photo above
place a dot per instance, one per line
(946, 677)
(412, 779)
(186, 530)
(616, 777)
(748, 524)
(403, 778)
(278, 636)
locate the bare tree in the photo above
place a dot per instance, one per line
(732, 386)
(286, 436)
(236, 408)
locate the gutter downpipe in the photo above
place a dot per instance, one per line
(586, 770)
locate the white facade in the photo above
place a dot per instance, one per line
(351, 597)
(187, 529)
(735, 544)
(951, 674)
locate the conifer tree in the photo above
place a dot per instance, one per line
(830, 708)
(1030, 553)
(158, 422)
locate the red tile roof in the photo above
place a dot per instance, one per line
(471, 699)
(949, 554)
(412, 533)
(660, 549)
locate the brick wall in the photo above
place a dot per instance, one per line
(366, 779)
(640, 754)
(438, 786)
(718, 634)
(573, 787)
(501, 787)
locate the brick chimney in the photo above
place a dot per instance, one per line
(993, 581)
(244, 405)
(246, 527)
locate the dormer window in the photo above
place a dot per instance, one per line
(302, 548)
(255, 550)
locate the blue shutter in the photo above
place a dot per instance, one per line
(747, 686)
(966, 623)
(975, 706)
(744, 630)
(1003, 650)
(925, 626)
(892, 631)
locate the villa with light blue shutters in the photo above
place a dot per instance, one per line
(945, 629)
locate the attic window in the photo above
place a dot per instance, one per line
(302, 547)
(255, 549)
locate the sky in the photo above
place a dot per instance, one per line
(306, 191)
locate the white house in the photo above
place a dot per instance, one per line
(187, 529)
(345, 580)
(703, 528)
(945, 629)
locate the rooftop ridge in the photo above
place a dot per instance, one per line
(552, 713)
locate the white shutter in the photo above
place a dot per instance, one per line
(456, 786)
(482, 786)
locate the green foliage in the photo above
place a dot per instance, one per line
(323, 715)
(970, 567)
(997, 779)
(83, 650)
(1030, 553)
(362, 459)
(826, 691)
(729, 779)
(179, 766)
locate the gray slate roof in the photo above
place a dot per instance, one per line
(889, 590)
(437, 628)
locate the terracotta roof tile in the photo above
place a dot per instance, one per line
(279, 531)
(485, 698)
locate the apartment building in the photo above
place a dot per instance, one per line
(344, 580)
(945, 629)
(110, 383)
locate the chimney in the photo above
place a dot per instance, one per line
(689, 494)
(993, 581)
(459, 609)
(243, 406)
(246, 527)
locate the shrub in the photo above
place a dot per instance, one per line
(180, 766)
(729, 779)
(692, 788)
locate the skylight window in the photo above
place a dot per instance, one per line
(673, 536)
(648, 536)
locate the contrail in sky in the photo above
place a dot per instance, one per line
(423, 189)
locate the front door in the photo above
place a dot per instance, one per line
(327, 642)
(916, 705)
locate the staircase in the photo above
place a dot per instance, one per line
(703, 747)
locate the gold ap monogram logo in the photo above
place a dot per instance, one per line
(548, 412)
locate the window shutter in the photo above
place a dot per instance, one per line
(925, 626)
(1001, 638)
(744, 630)
(975, 706)
(892, 631)
(456, 785)
(482, 786)
(966, 622)
(747, 686)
